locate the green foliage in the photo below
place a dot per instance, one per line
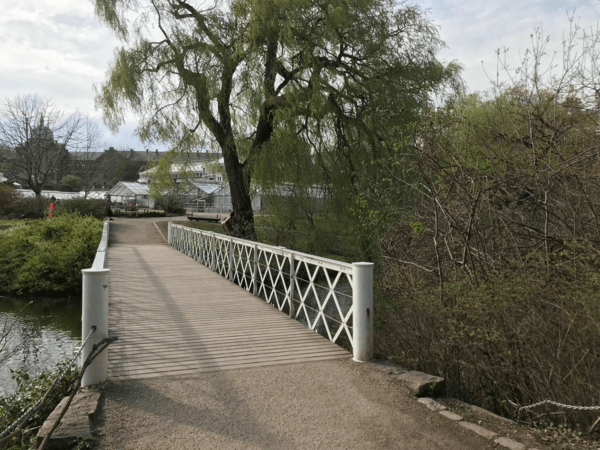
(8, 196)
(307, 93)
(28, 208)
(93, 207)
(70, 183)
(166, 191)
(47, 256)
(488, 237)
(517, 337)
(30, 389)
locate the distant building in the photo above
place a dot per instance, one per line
(39, 156)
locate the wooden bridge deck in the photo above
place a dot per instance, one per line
(174, 316)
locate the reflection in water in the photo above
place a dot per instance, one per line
(36, 335)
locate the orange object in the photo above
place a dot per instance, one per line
(51, 208)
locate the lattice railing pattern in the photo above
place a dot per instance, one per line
(315, 291)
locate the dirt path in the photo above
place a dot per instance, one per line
(338, 404)
(329, 404)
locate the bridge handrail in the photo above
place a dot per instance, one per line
(100, 258)
(273, 273)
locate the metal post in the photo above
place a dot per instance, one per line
(95, 313)
(292, 283)
(362, 313)
(230, 274)
(255, 271)
(170, 238)
(213, 251)
(201, 248)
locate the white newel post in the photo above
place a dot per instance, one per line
(362, 315)
(255, 271)
(170, 238)
(292, 283)
(230, 274)
(95, 313)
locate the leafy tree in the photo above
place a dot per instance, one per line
(166, 191)
(333, 78)
(70, 183)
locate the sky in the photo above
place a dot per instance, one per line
(59, 50)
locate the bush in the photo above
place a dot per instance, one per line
(30, 390)
(489, 277)
(28, 208)
(8, 196)
(47, 256)
(93, 207)
(517, 338)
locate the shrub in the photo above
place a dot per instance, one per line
(30, 390)
(518, 338)
(47, 256)
(28, 208)
(8, 196)
(94, 207)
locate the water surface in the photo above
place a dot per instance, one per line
(36, 334)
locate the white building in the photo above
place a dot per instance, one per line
(198, 172)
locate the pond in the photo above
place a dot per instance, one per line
(36, 333)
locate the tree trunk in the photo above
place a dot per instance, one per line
(242, 218)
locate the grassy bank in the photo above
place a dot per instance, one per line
(45, 257)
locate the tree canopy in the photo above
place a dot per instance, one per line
(332, 80)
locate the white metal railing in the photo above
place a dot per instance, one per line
(100, 258)
(331, 297)
(95, 311)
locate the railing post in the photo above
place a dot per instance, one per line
(292, 283)
(170, 238)
(230, 272)
(362, 313)
(213, 252)
(201, 247)
(255, 271)
(95, 313)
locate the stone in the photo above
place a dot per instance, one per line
(450, 415)
(509, 443)
(432, 404)
(479, 430)
(422, 383)
(77, 421)
(477, 409)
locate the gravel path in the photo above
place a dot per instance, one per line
(327, 404)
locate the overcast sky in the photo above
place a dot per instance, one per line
(59, 50)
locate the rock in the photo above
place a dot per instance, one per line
(479, 430)
(509, 443)
(450, 415)
(432, 404)
(422, 383)
(76, 423)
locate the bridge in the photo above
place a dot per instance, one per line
(208, 327)
(205, 302)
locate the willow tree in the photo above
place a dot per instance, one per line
(249, 76)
